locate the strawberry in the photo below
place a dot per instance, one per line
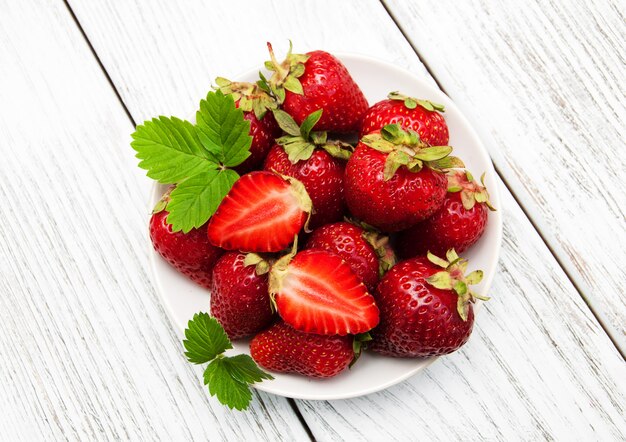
(367, 253)
(263, 212)
(284, 349)
(316, 292)
(458, 224)
(239, 296)
(305, 83)
(386, 183)
(255, 104)
(426, 307)
(316, 162)
(421, 116)
(190, 253)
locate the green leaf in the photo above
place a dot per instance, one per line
(286, 122)
(297, 149)
(393, 162)
(475, 277)
(441, 280)
(429, 105)
(196, 199)
(244, 369)
(223, 130)
(221, 383)
(205, 339)
(337, 151)
(448, 162)
(436, 260)
(410, 103)
(309, 122)
(170, 150)
(433, 153)
(293, 84)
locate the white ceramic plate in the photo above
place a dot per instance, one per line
(182, 298)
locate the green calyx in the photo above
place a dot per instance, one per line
(261, 263)
(252, 97)
(278, 271)
(412, 103)
(382, 248)
(286, 73)
(358, 345)
(405, 148)
(165, 199)
(470, 191)
(454, 278)
(300, 141)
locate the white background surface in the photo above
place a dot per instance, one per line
(87, 351)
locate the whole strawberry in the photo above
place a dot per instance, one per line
(239, 296)
(255, 104)
(367, 253)
(313, 160)
(426, 307)
(421, 116)
(393, 180)
(316, 292)
(305, 83)
(263, 212)
(458, 224)
(283, 349)
(190, 253)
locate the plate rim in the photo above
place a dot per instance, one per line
(155, 195)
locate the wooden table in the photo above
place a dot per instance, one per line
(87, 351)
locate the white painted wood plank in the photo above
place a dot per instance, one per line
(163, 56)
(544, 81)
(87, 351)
(538, 367)
(502, 371)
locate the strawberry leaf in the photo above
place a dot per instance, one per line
(244, 369)
(196, 199)
(286, 122)
(309, 122)
(222, 129)
(170, 150)
(221, 383)
(228, 377)
(205, 339)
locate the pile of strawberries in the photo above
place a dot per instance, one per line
(322, 245)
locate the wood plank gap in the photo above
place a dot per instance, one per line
(597, 315)
(97, 57)
(301, 418)
(292, 403)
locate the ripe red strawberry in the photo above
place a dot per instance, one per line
(367, 253)
(255, 104)
(305, 83)
(313, 160)
(283, 349)
(263, 212)
(316, 292)
(386, 183)
(458, 224)
(190, 253)
(425, 311)
(421, 116)
(239, 296)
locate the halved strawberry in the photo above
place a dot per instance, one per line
(316, 292)
(263, 212)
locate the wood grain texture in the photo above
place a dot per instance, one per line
(87, 352)
(539, 365)
(163, 56)
(545, 83)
